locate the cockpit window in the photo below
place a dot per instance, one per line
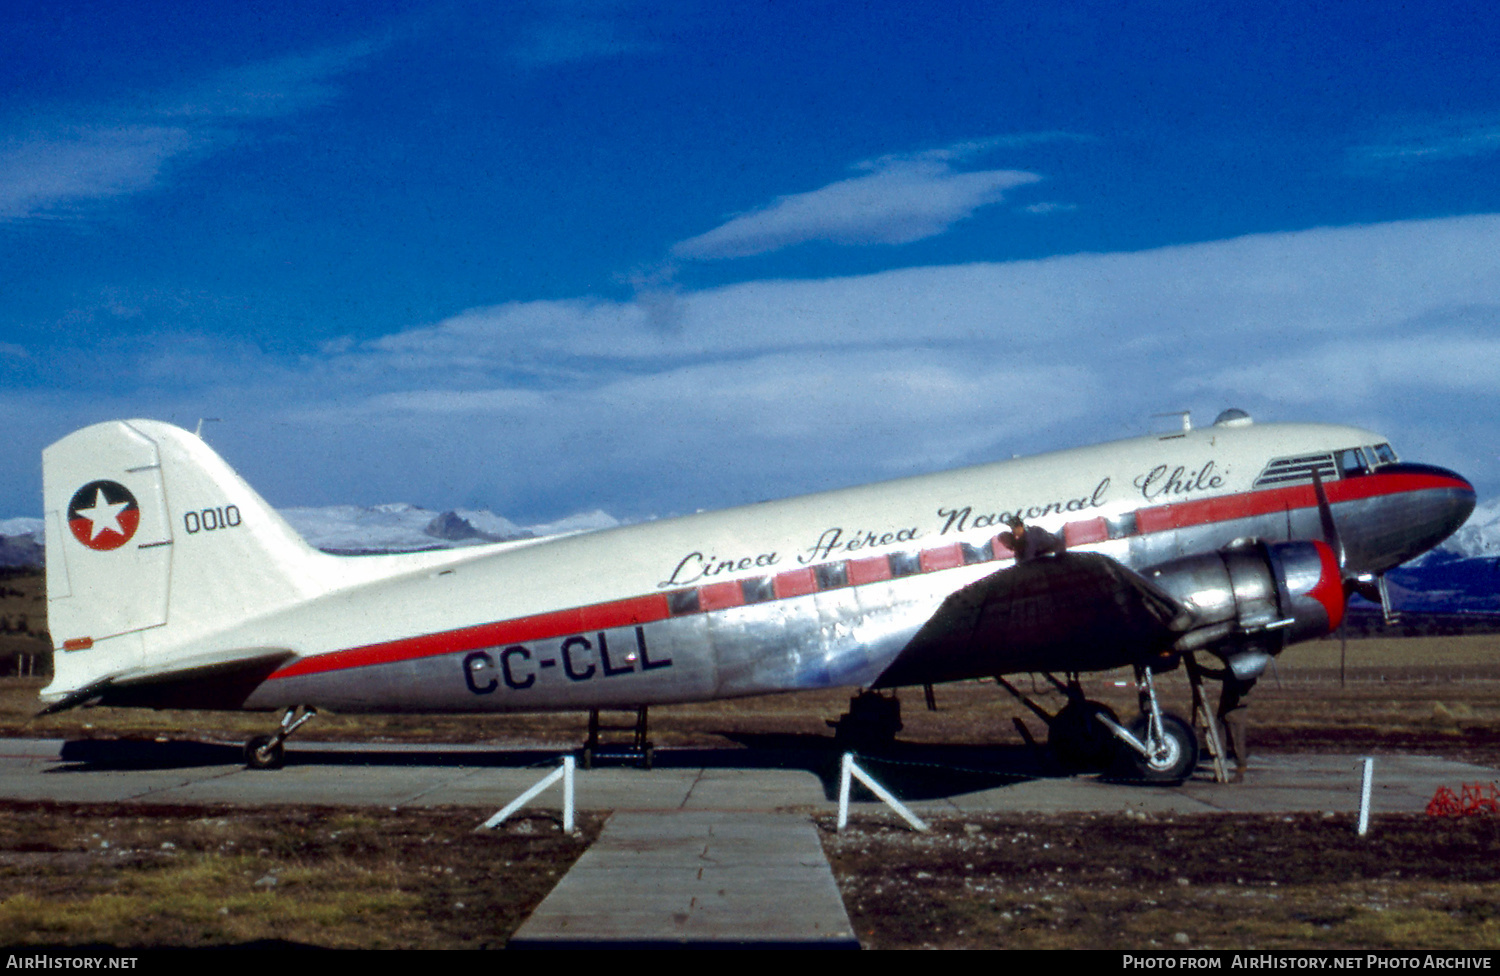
(1383, 454)
(1352, 463)
(1291, 470)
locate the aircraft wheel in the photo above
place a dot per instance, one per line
(1079, 740)
(264, 752)
(1176, 762)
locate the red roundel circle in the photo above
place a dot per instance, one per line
(103, 515)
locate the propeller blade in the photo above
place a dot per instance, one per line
(1331, 536)
(1325, 515)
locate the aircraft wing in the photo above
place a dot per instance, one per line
(1072, 611)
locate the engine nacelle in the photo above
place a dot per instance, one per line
(1248, 601)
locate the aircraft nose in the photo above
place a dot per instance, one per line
(1420, 506)
(1461, 501)
(1448, 499)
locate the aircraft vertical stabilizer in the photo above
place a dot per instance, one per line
(152, 543)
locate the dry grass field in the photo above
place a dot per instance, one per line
(144, 877)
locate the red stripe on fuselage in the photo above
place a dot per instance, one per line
(648, 609)
(600, 616)
(1182, 515)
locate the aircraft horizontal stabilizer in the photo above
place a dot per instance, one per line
(214, 681)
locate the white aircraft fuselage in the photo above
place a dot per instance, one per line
(208, 599)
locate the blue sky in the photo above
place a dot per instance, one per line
(655, 257)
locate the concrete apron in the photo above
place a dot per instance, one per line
(695, 879)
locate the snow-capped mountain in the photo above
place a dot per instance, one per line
(353, 529)
(21, 542)
(12, 528)
(1480, 536)
(405, 528)
(396, 528)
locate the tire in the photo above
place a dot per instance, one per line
(1175, 765)
(264, 752)
(1078, 740)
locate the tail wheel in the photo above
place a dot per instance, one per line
(1173, 762)
(264, 752)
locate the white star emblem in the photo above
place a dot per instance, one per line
(104, 516)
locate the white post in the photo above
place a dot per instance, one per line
(1364, 796)
(563, 772)
(848, 769)
(844, 766)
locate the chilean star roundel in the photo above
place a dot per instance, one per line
(103, 515)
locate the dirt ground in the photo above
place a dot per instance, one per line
(1202, 882)
(133, 876)
(130, 876)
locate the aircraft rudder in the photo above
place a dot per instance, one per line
(153, 542)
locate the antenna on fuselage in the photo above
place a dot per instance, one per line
(1186, 415)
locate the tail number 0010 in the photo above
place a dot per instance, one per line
(209, 519)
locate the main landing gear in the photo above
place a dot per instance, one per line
(638, 749)
(1087, 736)
(266, 751)
(1158, 747)
(872, 721)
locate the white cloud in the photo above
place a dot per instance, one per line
(1414, 144)
(60, 170)
(1049, 207)
(267, 89)
(576, 30)
(1261, 291)
(772, 387)
(1430, 362)
(54, 174)
(902, 199)
(769, 388)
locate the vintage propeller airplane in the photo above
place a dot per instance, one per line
(171, 583)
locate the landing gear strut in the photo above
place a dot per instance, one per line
(266, 751)
(872, 721)
(1078, 736)
(639, 750)
(1086, 736)
(1158, 747)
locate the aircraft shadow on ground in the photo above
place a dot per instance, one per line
(910, 771)
(913, 771)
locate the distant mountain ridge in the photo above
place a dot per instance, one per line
(348, 529)
(1460, 576)
(1480, 536)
